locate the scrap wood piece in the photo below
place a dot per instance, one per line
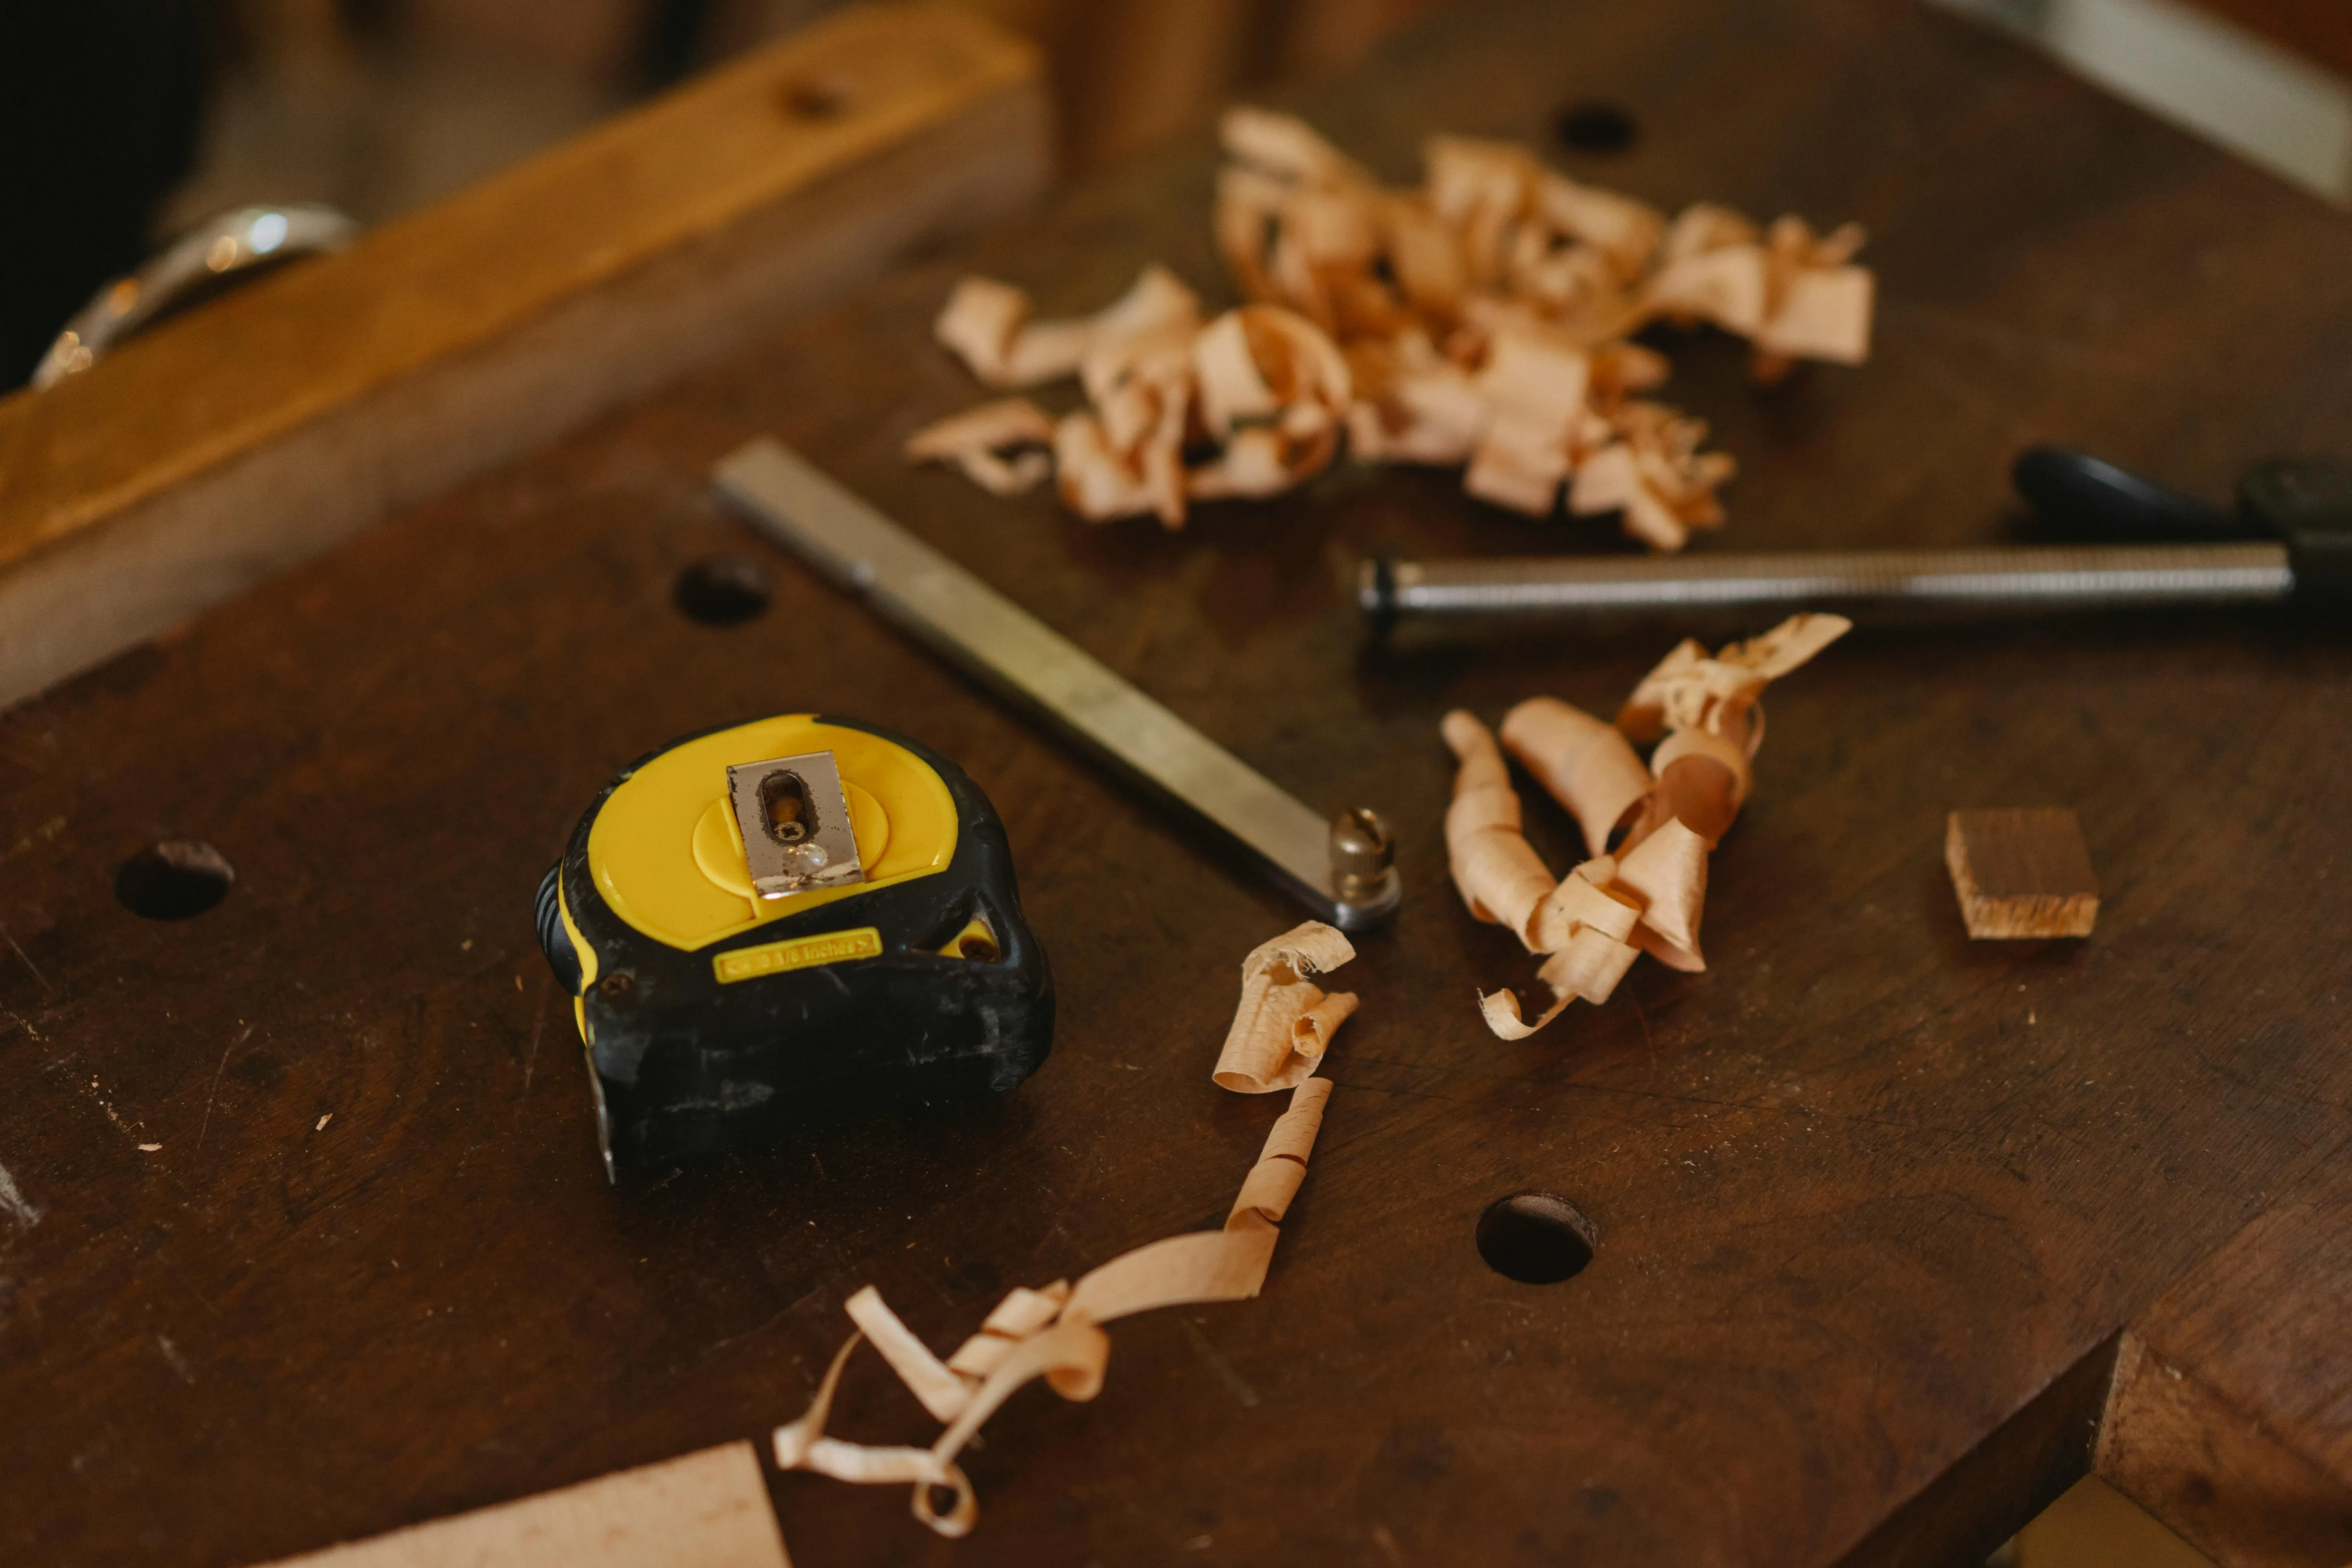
(2021, 873)
(1284, 1022)
(709, 1509)
(1646, 895)
(1055, 1333)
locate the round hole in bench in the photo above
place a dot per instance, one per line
(173, 880)
(1594, 126)
(1535, 1237)
(721, 591)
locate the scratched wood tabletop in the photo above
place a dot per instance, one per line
(1871, 1202)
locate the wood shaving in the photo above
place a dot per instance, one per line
(1481, 319)
(987, 325)
(1054, 1333)
(1284, 1022)
(1498, 875)
(1000, 446)
(1647, 893)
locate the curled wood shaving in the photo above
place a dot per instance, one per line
(987, 325)
(1586, 765)
(1284, 1022)
(999, 446)
(1274, 392)
(1054, 1332)
(1124, 456)
(1480, 318)
(1647, 894)
(1498, 875)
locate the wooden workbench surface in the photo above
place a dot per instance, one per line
(1864, 1192)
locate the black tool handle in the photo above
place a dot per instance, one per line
(2309, 505)
(2091, 497)
(2305, 505)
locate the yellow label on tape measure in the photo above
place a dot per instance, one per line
(797, 953)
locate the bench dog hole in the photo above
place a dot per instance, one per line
(1535, 1238)
(721, 591)
(173, 880)
(1596, 127)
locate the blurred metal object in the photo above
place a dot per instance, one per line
(2288, 537)
(2024, 577)
(1363, 859)
(229, 249)
(2241, 92)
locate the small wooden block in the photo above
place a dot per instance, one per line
(708, 1508)
(2021, 873)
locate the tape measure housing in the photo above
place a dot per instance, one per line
(717, 1020)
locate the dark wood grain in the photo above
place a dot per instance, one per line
(2230, 1415)
(1863, 1193)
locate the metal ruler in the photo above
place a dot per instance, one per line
(1340, 867)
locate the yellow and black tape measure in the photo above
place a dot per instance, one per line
(789, 922)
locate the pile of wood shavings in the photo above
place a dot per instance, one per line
(1647, 894)
(1279, 1033)
(1483, 318)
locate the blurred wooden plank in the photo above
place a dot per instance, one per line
(2231, 1415)
(2096, 1526)
(708, 1508)
(268, 426)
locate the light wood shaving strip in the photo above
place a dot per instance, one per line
(1666, 872)
(986, 324)
(1584, 764)
(1056, 1333)
(926, 1376)
(996, 445)
(1022, 1313)
(1501, 879)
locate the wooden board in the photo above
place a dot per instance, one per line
(1872, 1203)
(242, 436)
(708, 1508)
(2231, 1415)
